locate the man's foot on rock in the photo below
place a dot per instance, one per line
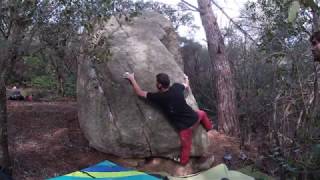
(183, 170)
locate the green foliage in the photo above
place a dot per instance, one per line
(33, 61)
(101, 51)
(258, 175)
(36, 65)
(276, 85)
(70, 86)
(177, 15)
(56, 30)
(197, 67)
(43, 82)
(296, 164)
(33, 66)
(276, 32)
(38, 73)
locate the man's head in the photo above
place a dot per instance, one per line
(315, 44)
(163, 81)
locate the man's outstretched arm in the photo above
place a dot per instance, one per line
(135, 85)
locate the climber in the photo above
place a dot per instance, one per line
(172, 101)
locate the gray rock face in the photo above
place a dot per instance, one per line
(112, 117)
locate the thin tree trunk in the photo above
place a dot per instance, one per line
(9, 54)
(12, 41)
(61, 85)
(4, 153)
(315, 27)
(5, 59)
(60, 78)
(315, 20)
(222, 71)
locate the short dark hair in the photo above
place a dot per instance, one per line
(315, 37)
(163, 79)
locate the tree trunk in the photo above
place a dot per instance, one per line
(61, 85)
(57, 65)
(4, 153)
(315, 20)
(222, 72)
(11, 52)
(8, 54)
(5, 59)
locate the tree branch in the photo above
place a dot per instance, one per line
(192, 7)
(238, 26)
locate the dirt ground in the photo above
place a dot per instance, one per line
(45, 141)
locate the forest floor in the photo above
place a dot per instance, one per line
(45, 141)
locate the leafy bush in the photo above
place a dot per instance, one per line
(70, 86)
(44, 82)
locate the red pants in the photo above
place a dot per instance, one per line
(186, 136)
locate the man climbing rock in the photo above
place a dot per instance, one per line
(172, 102)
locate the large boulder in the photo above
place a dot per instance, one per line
(112, 117)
